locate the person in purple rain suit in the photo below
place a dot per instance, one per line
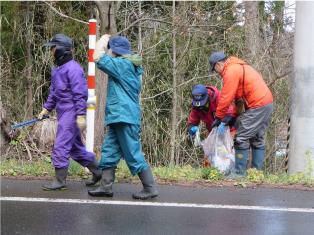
(68, 95)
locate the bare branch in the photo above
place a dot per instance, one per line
(63, 15)
(143, 19)
(170, 89)
(278, 78)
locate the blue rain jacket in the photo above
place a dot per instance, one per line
(124, 86)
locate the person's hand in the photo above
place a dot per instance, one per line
(216, 122)
(42, 113)
(193, 130)
(101, 47)
(229, 120)
(81, 122)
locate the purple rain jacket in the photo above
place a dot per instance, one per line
(68, 95)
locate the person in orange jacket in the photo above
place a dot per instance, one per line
(246, 87)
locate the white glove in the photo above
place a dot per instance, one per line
(81, 122)
(101, 47)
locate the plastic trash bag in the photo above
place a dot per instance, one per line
(197, 139)
(219, 150)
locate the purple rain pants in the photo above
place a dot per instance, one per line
(68, 143)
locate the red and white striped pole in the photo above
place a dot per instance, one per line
(91, 84)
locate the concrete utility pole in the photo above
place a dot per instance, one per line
(301, 155)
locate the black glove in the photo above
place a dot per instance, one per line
(229, 120)
(216, 122)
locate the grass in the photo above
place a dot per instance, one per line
(13, 167)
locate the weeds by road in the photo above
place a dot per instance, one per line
(186, 175)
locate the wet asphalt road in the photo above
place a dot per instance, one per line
(52, 217)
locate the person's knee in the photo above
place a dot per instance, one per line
(240, 143)
(258, 143)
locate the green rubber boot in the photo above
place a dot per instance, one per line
(258, 158)
(241, 157)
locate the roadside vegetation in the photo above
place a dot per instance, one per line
(164, 174)
(172, 65)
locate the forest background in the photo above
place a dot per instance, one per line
(175, 39)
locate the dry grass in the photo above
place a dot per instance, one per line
(44, 133)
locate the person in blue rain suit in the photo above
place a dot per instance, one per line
(123, 116)
(68, 95)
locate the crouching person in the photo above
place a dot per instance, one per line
(68, 94)
(122, 116)
(204, 104)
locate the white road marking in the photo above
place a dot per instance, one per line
(158, 204)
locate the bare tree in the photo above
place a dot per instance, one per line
(252, 36)
(106, 17)
(28, 19)
(174, 118)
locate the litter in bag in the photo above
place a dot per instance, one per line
(219, 150)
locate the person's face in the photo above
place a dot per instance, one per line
(219, 67)
(111, 53)
(205, 107)
(53, 50)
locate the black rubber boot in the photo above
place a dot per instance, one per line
(106, 182)
(149, 188)
(59, 182)
(93, 168)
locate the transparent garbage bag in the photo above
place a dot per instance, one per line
(197, 139)
(219, 150)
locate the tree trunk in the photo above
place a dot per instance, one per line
(277, 29)
(6, 133)
(29, 13)
(252, 36)
(277, 25)
(174, 118)
(107, 21)
(140, 43)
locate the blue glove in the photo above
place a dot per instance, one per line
(221, 129)
(193, 130)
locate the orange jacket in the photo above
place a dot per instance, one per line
(252, 89)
